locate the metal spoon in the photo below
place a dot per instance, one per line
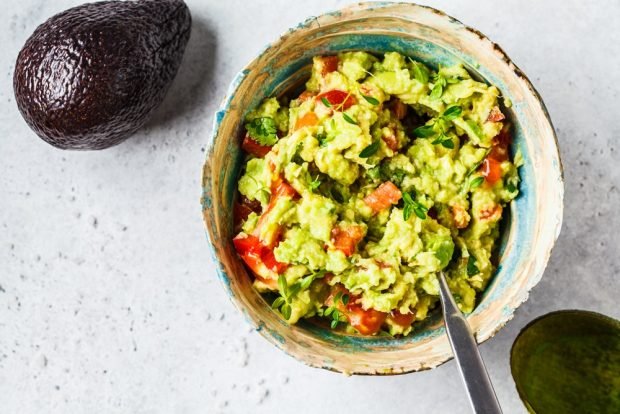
(475, 377)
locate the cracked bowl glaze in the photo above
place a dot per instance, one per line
(530, 229)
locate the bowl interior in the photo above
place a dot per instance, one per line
(435, 39)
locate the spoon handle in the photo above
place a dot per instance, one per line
(481, 394)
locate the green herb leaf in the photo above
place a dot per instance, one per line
(424, 131)
(293, 290)
(278, 302)
(306, 282)
(420, 73)
(420, 210)
(412, 206)
(448, 143)
(337, 297)
(324, 139)
(348, 119)
(283, 286)
(334, 323)
(326, 102)
(476, 182)
(262, 130)
(452, 112)
(511, 187)
(472, 269)
(329, 311)
(314, 184)
(345, 299)
(286, 311)
(437, 91)
(371, 100)
(407, 211)
(370, 150)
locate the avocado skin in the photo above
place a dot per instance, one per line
(90, 76)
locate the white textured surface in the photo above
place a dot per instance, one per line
(109, 302)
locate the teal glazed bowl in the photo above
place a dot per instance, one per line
(431, 36)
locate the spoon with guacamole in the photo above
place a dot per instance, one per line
(475, 377)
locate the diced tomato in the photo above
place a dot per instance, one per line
(270, 261)
(365, 321)
(496, 115)
(309, 119)
(493, 213)
(402, 319)
(330, 64)
(391, 142)
(383, 197)
(499, 150)
(460, 216)
(305, 95)
(346, 238)
(491, 170)
(491, 166)
(252, 147)
(399, 109)
(280, 188)
(250, 249)
(259, 258)
(338, 99)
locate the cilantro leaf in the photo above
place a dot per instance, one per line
(476, 182)
(437, 91)
(412, 206)
(262, 130)
(511, 187)
(323, 139)
(283, 286)
(447, 143)
(326, 102)
(278, 302)
(348, 119)
(472, 269)
(314, 184)
(371, 100)
(424, 131)
(420, 73)
(286, 311)
(370, 150)
(452, 112)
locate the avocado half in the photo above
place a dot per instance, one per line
(92, 75)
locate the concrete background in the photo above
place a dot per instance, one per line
(109, 302)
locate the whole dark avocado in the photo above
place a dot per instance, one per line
(90, 76)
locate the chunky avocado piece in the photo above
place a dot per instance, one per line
(92, 75)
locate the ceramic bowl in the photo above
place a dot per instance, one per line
(431, 36)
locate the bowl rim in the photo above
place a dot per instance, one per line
(229, 95)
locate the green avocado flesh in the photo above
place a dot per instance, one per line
(382, 173)
(568, 362)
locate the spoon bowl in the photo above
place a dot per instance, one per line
(568, 362)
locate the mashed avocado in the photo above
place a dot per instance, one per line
(358, 191)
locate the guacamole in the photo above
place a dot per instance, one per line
(356, 192)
